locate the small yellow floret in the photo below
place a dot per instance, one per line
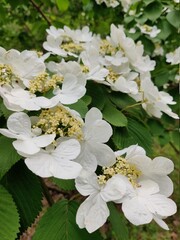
(72, 47)
(106, 48)
(121, 167)
(6, 74)
(43, 82)
(60, 121)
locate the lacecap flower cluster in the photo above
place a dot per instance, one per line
(56, 141)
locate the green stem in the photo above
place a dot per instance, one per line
(131, 106)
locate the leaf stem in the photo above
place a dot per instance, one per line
(130, 106)
(41, 12)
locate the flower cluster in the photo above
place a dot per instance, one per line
(114, 3)
(56, 141)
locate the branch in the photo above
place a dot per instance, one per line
(46, 192)
(40, 11)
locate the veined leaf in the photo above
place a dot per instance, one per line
(114, 116)
(8, 155)
(26, 190)
(80, 106)
(9, 218)
(173, 18)
(58, 223)
(119, 228)
(153, 10)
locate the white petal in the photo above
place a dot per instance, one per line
(161, 223)
(65, 169)
(26, 146)
(162, 166)
(98, 131)
(87, 159)
(67, 150)
(19, 123)
(161, 205)
(147, 187)
(116, 188)
(8, 133)
(92, 115)
(44, 140)
(40, 164)
(87, 184)
(92, 214)
(103, 153)
(165, 184)
(136, 212)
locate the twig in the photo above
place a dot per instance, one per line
(40, 11)
(46, 192)
(175, 149)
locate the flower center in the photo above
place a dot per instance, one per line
(6, 75)
(112, 76)
(121, 167)
(43, 82)
(106, 48)
(60, 121)
(72, 47)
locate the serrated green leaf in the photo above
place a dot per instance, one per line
(119, 228)
(153, 10)
(62, 5)
(67, 185)
(121, 138)
(173, 18)
(26, 190)
(58, 223)
(8, 155)
(114, 116)
(9, 218)
(140, 134)
(155, 127)
(80, 106)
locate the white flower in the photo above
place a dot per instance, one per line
(152, 31)
(73, 85)
(92, 62)
(154, 102)
(19, 127)
(93, 212)
(56, 162)
(173, 57)
(93, 150)
(24, 65)
(156, 169)
(134, 52)
(18, 99)
(145, 203)
(79, 35)
(109, 3)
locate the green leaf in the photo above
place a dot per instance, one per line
(155, 127)
(59, 223)
(26, 190)
(173, 18)
(165, 27)
(6, 112)
(67, 185)
(140, 134)
(9, 218)
(62, 5)
(113, 115)
(8, 155)
(95, 91)
(153, 10)
(80, 106)
(119, 228)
